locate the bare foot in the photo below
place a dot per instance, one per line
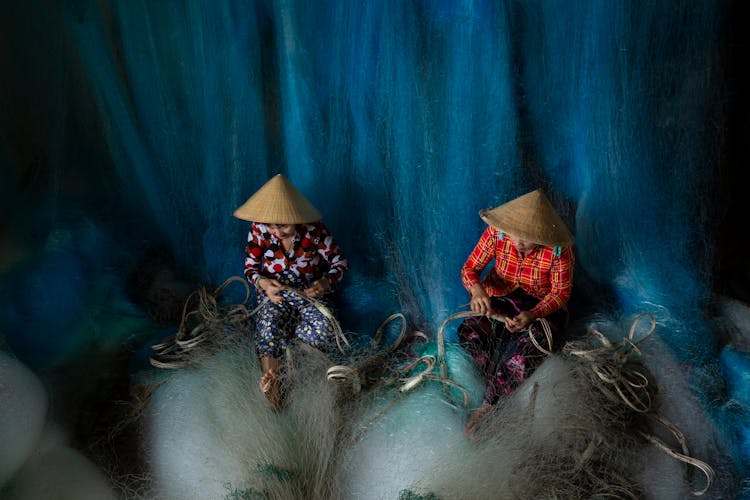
(270, 386)
(476, 416)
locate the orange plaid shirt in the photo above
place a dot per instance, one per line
(542, 273)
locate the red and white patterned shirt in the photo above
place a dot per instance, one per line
(545, 273)
(314, 254)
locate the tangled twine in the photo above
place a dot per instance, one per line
(615, 377)
(402, 376)
(470, 314)
(354, 373)
(203, 320)
(622, 383)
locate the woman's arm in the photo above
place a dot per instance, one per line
(254, 249)
(561, 278)
(332, 254)
(483, 253)
(257, 244)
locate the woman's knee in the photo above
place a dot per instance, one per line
(315, 330)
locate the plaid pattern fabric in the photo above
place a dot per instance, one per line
(314, 254)
(542, 273)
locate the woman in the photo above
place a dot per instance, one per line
(531, 278)
(290, 258)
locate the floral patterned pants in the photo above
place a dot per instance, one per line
(277, 324)
(506, 359)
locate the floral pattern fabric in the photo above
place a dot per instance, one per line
(277, 323)
(313, 255)
(503, 358)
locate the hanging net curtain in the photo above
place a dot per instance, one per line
(398, 120)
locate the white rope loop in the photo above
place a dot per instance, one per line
(608, 362)
(413, 381)
(547, 333)
(344, 373)
(470, 314)
(684, 456)
(630, 387)
(206, 313)
(174, 352)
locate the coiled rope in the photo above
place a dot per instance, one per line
(625, 384)
(353, 373)
(469, 314)
(202, 318)
(617, 380)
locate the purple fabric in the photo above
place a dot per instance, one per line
(506, 359)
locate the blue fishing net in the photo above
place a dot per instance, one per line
(134, 129)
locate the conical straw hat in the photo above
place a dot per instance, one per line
(530, 217)
(278, 202)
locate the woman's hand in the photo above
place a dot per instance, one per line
(318, 288)
(520, 321)
(480, 301)
(272, 288)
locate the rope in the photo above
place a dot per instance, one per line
(413, 381)
(320, 306)
(469, 314)
(684, 456)
(353, 374)
(207, 317)
(201, 315)
(401, 337)
(344, 373)
(617, 381)
(608, 363)
(547, 333)
(338, 332)
(629, 386)
(441, 336)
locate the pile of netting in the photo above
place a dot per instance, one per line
(372, 421)
(577, 429)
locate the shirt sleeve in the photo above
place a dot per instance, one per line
(562, 284)
(254, 254)
(482, 255)
(330, 251)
